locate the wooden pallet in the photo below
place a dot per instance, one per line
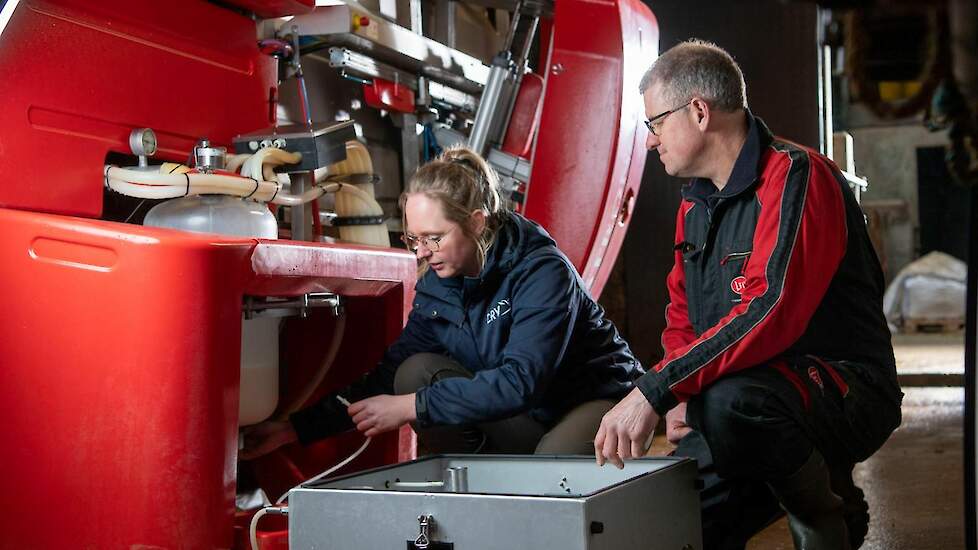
(933, 325)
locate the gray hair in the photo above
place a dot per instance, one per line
(698, 68)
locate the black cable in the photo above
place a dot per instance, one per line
(253, 191)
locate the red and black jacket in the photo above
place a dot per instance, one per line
(776, 264)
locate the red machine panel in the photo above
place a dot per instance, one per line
(121, 355)
(274, 8)
(121, 351)
(81, 75)
(588, 160)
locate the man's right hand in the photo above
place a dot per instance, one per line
(261, 439)
(676, 427)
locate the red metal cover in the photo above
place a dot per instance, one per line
(81, 75)
(590, 152)
(525, 120)
(384, 94)
(120, 356)
(274, 8)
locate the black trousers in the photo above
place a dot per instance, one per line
(762, 424)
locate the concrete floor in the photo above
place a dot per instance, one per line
(915, 483)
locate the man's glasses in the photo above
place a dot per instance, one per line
(654, 124)
(430, 242)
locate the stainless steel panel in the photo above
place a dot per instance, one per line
(330, 20)
(512, 502)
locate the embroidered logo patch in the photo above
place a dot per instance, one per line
(816, 377)
(738, 284)
(501, 308)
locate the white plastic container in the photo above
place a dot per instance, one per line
(225, 215)
(220, 214)
(259, 369)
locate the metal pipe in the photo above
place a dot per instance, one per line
(527, 44)
(301, 214)
(489, 103)
(397, 60)
(458, 479)
(300, 78)
(511, 35)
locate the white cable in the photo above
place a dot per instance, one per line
(345, 461)
(281, 511)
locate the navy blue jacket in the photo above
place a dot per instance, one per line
(527, 328)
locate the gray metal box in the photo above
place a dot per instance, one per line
(471, 502)
(321, 145)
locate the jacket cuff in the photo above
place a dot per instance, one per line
(326, 418)
(655, 390)
(421, 408)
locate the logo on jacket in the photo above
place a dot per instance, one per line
(501, 308)
(738, 284)
(816, 377)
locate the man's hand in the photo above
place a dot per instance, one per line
(265, 437)
(625, 430)
(382, 413)
(676, 427)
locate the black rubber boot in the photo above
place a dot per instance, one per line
(855, 509)
(814, 512)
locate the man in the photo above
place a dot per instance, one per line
(777, 354)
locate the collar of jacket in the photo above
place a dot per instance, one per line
(746, 169)
(516, 238)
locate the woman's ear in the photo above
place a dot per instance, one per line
(477, 221)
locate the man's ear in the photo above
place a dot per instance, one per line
(701, 110)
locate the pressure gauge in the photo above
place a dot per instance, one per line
(142, 141)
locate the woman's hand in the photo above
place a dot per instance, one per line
(382, 413)
(261, 439)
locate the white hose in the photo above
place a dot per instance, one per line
(253, 167)
(154, 185)
(282, 511)
(345, 461)
(235, 161)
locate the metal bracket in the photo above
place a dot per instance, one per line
(271, 306)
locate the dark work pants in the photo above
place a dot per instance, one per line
(520, 434)
(762, 424)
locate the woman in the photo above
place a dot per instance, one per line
(504, 349)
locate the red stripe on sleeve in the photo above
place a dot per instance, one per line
(788, 273)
